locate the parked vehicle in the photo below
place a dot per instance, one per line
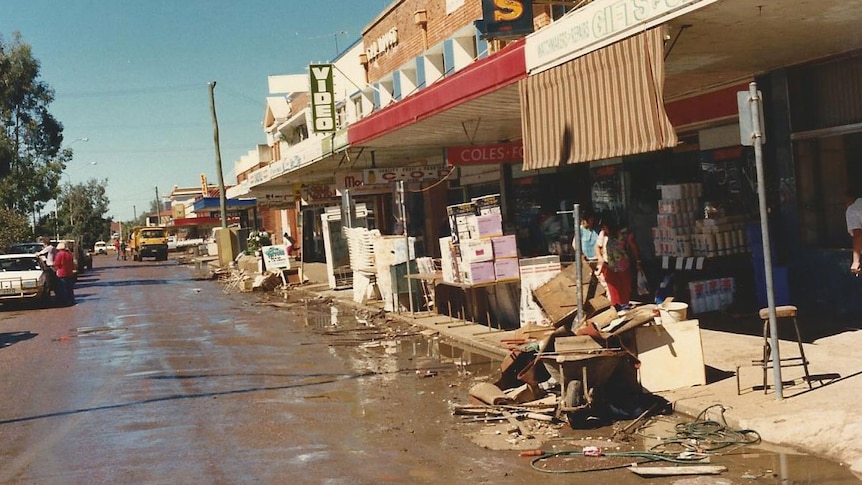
(101, 247)
(23, 277)
(83, 257)
(149, 242)
(25, 248)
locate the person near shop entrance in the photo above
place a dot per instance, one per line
(616, 249)
(589, 238)
(64, 265)
(853, 214)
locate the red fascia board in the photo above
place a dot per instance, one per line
(482, 77)
(199, 221)
(705, 107)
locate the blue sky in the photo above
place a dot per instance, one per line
(131, 77)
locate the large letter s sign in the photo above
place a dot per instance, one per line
(508, 10)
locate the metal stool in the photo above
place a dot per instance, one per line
(781, 312)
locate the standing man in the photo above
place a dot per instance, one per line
(47, 255)
(64, 265)
(853, 201)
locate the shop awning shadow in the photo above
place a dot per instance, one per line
(9, 338)
(812, 326)
(714, 374)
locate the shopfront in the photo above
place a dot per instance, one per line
(819, 156)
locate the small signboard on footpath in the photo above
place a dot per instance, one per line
(276, 257)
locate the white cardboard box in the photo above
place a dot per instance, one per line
(475, 273)
(476, 250)
(485, 226)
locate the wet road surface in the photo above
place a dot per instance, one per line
(155, 377)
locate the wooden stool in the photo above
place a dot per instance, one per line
(782, 313)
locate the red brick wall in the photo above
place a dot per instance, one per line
(410, 44)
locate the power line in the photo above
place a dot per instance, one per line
(131, 91)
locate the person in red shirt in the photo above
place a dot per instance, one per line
(64, 265)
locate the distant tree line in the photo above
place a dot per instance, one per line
(32, 160)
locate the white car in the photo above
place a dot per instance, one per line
(100, 248)
(23, 278)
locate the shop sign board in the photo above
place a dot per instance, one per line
(276, 257)
(314, 193)
(409, 174)
(353, 181)
(301, 154)
(485, 154)
(382, 44)
(259, 176)
(506, 18)
(322, 97)
(275, 199)
(599, 24)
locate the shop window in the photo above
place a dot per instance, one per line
(824, 165)
(729, 177)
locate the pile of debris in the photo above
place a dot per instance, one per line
(600, 369)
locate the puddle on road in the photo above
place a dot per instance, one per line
(393, 350)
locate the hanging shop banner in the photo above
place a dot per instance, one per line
(322, 98)
(599, 24)
(506, 18)
(410, 174)
(485, 154)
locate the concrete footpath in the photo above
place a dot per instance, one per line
(824, 421)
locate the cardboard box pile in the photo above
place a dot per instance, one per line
(678, 211)
(720, 236)
(682, 229)
(478, 252)
(711, 295)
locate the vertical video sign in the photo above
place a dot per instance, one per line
(322, 97)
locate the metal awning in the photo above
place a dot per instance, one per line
(602, 105)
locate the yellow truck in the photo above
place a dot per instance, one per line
(149, 242)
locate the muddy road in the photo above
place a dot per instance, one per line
(155, 377)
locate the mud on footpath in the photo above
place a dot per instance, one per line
(530, 439)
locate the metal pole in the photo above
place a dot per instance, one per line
(222, 197)
(755, 101)
(406, 241)
(579, 263)
(158, 208)
(579, 268)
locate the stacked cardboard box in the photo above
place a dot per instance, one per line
(719, 236)
(678, 212)
(478, 252)
(711, 295)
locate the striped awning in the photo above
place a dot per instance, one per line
(605, 104)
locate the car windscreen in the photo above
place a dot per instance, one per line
(152, 234)
(26, 263)
(25, 248)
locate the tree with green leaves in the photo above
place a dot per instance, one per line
(31, 159)
(13, 228)
(81, 212)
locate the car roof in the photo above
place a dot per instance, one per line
(17, 256)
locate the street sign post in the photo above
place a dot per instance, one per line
(751, 132)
